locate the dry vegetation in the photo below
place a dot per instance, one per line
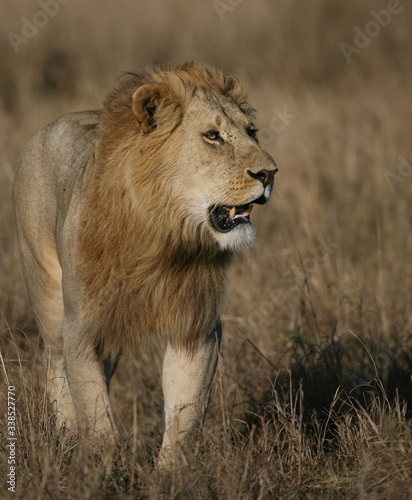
(313, 397)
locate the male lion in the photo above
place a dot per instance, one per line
(127, 219)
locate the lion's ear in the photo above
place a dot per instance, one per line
(146, 101)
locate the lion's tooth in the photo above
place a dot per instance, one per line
(246, 212)
(232, 212)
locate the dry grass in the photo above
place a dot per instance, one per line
(313, 397)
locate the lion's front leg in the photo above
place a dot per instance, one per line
(88, 381)
(187, 378)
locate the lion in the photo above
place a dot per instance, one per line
(127, 220)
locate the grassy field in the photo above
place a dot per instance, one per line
(313, 395)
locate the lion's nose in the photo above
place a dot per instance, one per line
(264, 176)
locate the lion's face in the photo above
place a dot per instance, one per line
(222, 170)
(204, 168)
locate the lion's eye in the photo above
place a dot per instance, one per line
(252, 133)
(212, 135)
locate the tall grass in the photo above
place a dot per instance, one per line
(313, 394)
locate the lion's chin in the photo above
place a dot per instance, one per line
(239, 238)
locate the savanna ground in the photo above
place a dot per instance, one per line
(313, 396)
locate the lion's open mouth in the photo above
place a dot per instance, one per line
(224, 218)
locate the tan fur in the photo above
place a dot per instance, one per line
(120, 197)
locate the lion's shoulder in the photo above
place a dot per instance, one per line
(70, 138)
(74, 128)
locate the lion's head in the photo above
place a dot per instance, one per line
(193, 165)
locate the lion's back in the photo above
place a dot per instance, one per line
(47, 171)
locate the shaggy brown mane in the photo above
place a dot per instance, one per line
(141, 261)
